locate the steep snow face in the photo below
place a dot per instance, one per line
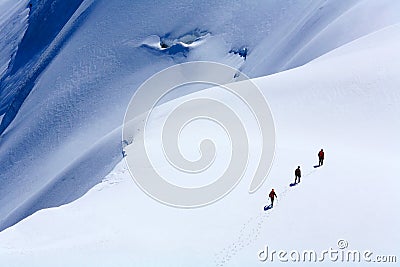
(65, 96)
(320, 29)
(46, 20)
(346, 102)
(13, 23)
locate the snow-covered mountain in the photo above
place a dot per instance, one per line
(72, 68)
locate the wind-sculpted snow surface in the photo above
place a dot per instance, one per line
(65, 93)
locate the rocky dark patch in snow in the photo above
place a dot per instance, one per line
(176, 45)
(242, 52)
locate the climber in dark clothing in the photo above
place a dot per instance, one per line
(297, 174)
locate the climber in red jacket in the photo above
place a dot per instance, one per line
(321, 156)
(272, 196)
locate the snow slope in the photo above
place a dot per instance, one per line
(64, 94)
(346, 102)
(13, 23)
